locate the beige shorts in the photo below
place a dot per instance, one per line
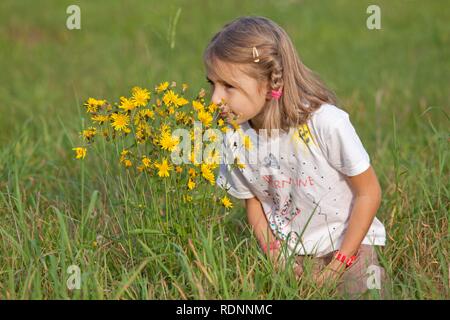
(364, 278)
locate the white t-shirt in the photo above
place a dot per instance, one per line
(299, 178)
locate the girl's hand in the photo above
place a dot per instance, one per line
(331, 274)
(273, 251)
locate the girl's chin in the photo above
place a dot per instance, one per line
(231, 120)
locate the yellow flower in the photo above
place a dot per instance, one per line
(162, 87)
(191, 184)
(147, 113)
(184, 87)
(226, 202)
(89, 133)
(220, 122)
(164, 128)
(127, 104)
(198, 106)
(179, 169)
(146, 162)
(127, 163)
(192, 172)
(207, 173)
(92, 104)
(181, 102)
(213, 159)
(163, 168)
(188, 120)
(180, 116)
(100, 118)
(140, 96)
(211, 135)
(234, 124)
(239, 163)
(123, 158)
(168, 142)
(142, 132)
(247, 143)
(143, 115)
(193, 159)
(80, 152)
(205, 117)
(212, 107)
(170, 98)
(120, 121)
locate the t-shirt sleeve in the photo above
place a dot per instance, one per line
(233, 181)
(344, 149)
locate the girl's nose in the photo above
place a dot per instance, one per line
(218, 96)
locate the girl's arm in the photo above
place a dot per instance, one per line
(368, 198)
(258, 222)
(367, 202)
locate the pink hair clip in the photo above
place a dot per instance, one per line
(276, 94)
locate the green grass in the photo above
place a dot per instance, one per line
(393, 82)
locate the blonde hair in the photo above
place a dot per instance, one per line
(279, 65)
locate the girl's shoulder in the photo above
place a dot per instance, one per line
(327, 117)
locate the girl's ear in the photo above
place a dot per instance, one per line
(268, 90)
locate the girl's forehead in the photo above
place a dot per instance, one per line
(224, 71)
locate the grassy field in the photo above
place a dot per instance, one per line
(56, 212)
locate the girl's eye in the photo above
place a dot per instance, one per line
(225, 84)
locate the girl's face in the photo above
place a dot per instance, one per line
(244, 99)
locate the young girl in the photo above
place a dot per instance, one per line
(311, 190)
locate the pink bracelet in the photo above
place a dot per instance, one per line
(344, 259)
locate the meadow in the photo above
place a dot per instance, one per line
(132, 238)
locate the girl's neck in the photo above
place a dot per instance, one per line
(256, 123)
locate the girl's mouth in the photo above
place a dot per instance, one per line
(225, 114)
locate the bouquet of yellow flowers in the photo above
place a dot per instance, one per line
(145, 123)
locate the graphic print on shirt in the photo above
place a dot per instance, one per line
(271, 162)
(303, 139)
(319, 212)
(282, 213)
(304, 134)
